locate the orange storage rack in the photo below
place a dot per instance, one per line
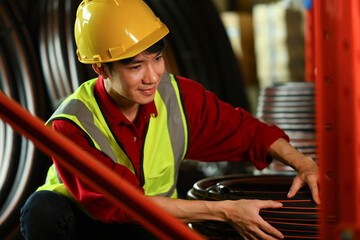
(337, 62)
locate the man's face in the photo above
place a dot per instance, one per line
(135, 83)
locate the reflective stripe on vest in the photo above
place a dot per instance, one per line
(165, 143)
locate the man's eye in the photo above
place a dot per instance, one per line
(135, 67)
(158, 58)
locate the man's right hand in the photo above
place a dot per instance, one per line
(244, 216)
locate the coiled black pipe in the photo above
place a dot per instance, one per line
(21, 164)
(297, 219)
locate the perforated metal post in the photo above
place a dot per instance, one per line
(337, 50)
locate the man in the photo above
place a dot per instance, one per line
(142, 122)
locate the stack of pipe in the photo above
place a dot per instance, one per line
(290, 106)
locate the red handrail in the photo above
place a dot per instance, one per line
(79, 162)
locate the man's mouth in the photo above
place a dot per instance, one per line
(147, 91)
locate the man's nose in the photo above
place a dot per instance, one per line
(151, 75)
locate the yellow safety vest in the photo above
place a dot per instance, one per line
(165, 144)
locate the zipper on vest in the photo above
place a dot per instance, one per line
(141, 168)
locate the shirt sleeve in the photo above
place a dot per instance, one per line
(101, 208)
(220, 132)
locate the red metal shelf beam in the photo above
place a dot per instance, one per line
(154, 218)
(337, 52)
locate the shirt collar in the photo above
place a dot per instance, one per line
(113, 113)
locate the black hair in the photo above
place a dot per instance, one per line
(158, 47)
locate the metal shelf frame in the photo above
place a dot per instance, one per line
(337, 80)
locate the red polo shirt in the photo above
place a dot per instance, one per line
(217, 132)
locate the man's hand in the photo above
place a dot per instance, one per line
(307, 170)
(243, 214)
(244, 217)
(307, 174)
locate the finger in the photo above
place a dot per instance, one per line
(270, 231)
(296, 185)
(256, 233)
(267, 237)
(246, 238)
(270, 204)
(262, 235)
(314, 187)
(243, 234)
(316, 197)
(251, 237)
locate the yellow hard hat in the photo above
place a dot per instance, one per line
(111, 30)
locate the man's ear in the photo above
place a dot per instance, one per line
(100, 70)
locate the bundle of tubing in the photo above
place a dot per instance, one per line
(296, 219)
(101, 178)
